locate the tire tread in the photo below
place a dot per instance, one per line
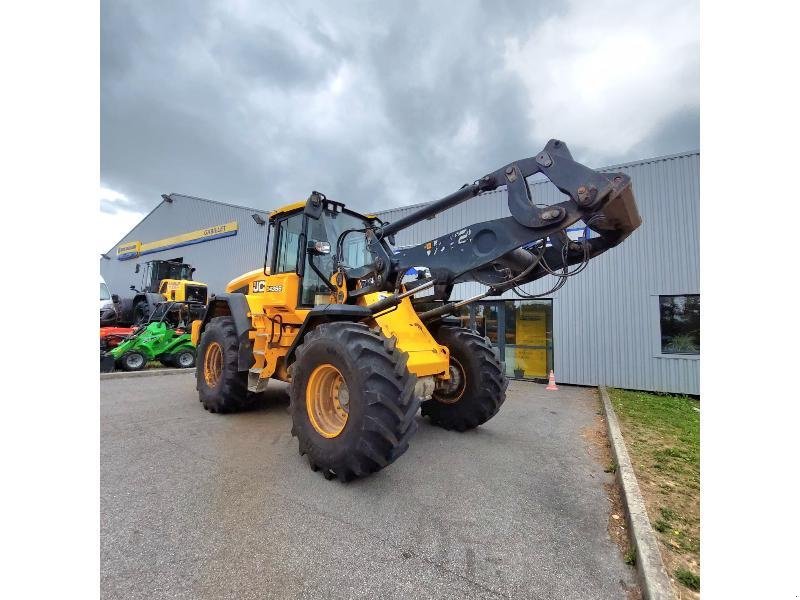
(481, 404)
(390, 405)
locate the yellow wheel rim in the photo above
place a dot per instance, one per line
(327, 401)
(212, 364)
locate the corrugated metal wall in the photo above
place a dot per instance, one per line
(217, 261)
(605, 320)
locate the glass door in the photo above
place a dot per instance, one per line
(529, 338)
(521, 330)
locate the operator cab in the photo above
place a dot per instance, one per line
(308, 246)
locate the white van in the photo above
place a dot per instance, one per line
(108, 312)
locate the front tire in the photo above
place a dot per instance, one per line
(222, 387)
(352, 400)
(478, 382)
(132, 361)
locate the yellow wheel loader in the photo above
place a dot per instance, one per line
(162, 280)
(361, 331)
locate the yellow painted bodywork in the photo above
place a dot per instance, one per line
(276, 320)
(272, 300)
(175, 289)
(288, 208)
(196, 324)
(425, 356)
(245, 280)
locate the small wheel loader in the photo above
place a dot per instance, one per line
(162, 280)
(342, 317)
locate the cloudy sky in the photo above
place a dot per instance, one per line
(379, 104)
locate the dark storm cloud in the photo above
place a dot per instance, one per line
(375, 104)
(677, 133)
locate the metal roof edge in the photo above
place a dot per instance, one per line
(651, 160)
(157, 206)
(261, 210)
(142, 220)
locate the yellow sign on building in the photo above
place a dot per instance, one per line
(531, 330)
(128, 250)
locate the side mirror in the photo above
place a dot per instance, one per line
(318, 248)
(133, 287)
(114, 298)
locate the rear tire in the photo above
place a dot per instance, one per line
(132, 361)
(372, 403)
(222, 387)
(479, 382)
(125, 315)
(141, 312)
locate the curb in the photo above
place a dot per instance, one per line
(653, 577)
(146, 373)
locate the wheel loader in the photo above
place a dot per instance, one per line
(362, 332)
(169, 280)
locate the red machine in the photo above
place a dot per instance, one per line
(110, 337)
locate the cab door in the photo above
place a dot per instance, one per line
(281, 288)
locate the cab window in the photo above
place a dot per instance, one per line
(289, 231)
(330, 228)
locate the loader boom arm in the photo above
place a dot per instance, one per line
(532, 242)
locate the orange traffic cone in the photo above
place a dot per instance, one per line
(551, 384)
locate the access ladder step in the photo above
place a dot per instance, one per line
(254, 382)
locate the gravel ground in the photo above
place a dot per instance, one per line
(196, 505)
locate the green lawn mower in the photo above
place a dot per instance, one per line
(166, 337)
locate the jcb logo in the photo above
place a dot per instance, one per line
(261, 286)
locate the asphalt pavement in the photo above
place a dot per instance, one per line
(197, 505)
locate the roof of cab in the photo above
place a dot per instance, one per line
(301, 204)
(288, 208)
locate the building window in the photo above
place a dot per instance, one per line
(680, 324)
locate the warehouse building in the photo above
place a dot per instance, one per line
(630, 320)
(219, 240)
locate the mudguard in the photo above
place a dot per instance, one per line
(327, 313)
(234, 305)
